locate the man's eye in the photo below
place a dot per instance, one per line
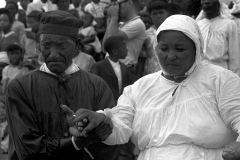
(46, 45)
(61, 46)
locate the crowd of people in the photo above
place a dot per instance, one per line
(120, 80)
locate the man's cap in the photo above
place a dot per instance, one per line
(59, 23)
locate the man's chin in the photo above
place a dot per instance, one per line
(58, 69)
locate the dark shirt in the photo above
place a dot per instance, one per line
(37, 123)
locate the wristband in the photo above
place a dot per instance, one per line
(74, 144)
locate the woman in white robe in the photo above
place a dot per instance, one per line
(176, 115)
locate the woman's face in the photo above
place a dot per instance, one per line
(4, 22)
(176, 52)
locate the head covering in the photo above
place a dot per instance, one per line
(236, 7)
(187, 26)
(224, 12)
(59, 23)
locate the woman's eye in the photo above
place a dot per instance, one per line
(180, 49)
(164, 49)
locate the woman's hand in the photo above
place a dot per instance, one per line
(232, 151)
(93, 119)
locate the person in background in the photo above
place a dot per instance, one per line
(7, 35)
(132, 30)
(82, 60)
(38, 121)
(15, 68)
(174, 8)
(63, 5)
(4, 133)
(30, 36)
(220, 34)
(159, 11)
(41, 5)
(77, 6)
(24, 4)
(92, 45)
(145, 17)
(116, 74)
(17, 26)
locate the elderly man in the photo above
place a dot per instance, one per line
(39, 127)
(220, 34)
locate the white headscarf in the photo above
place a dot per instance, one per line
(189, 27)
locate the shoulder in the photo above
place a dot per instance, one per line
(100, 63)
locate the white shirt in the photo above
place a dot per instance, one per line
(195, 123)
(221, 43)
(117, 69)
(136, 32)
(96, 10)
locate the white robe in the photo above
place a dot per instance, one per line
(194, 123)
(221, 43)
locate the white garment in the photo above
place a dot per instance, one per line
(221, 43)
(39, 6)
(117, 70)
(193, 124)
(96, 10)
(136, 32)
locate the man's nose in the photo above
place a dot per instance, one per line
(53, 52)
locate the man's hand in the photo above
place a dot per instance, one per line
(232, 151)
(74, 129)
(94, 119)
(113, 11)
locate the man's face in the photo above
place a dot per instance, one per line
(123, 7)
(158, 16)
(12, 9)
(63, 5)
(210, 6)
(57, 51)
(76, 3)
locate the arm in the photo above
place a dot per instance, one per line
(89, 39)
(228, 98)
(234, 48)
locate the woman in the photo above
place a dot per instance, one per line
(187, 111)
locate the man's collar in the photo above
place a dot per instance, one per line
(71, 69)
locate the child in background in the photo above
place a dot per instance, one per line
(4, 135)
(115, 73)
(15, 68)
(29, 38)
(89, 37)
(7, 36)
(146, 19)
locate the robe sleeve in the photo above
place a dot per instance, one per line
(234, 48)
(228, 99)
(122, 117)
(23, 127)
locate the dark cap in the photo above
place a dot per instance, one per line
(59, 23)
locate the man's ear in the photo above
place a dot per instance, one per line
(115, 52)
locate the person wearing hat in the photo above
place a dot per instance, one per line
(39, 123)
